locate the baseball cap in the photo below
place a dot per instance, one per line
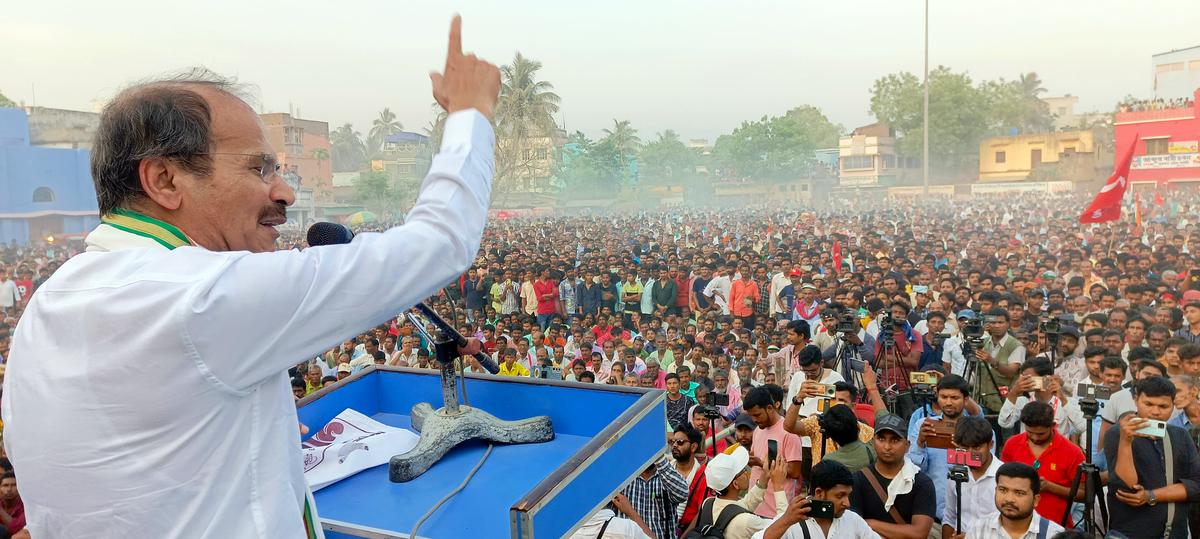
(724, 468)
(893, 423)
(344, 367)
(1191, 295)
(744, 420)
(966, 313)
(1072, 331)
(796, 273)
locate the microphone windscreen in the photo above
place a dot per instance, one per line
(328, 234)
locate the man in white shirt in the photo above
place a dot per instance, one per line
(831, 482)
(606, 522)
(719, 288)
(1067, 419)
(975, 435)
(202, 441)
(10, 295)
(1017, 487)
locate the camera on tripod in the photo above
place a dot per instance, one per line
(709, 408)
(972, 331)
(887, 328)
(1050, 327)
(847, 322)
(1090, 396)
(939, 339)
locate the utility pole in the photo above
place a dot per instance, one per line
(925, 129)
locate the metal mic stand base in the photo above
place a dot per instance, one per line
(443, 429)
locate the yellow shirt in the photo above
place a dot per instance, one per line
(517, 369)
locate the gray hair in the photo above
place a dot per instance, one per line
(163, 117)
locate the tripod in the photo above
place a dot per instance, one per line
(974, 371)
(848, 364)
(1088, 476)
(893, 372)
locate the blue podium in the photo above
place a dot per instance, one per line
(604, 436)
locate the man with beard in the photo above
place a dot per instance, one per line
(684, 443)
(952, 395)
(831, 482)
(1017, 487)
(1054, 455)
(905, 509)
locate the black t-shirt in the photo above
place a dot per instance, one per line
(921, 500)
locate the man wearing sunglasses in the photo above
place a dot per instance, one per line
(180, 286)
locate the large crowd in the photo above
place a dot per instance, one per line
(940, 368)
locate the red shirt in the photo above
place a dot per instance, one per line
(740, 291)
(542, 288)
(1057, 464)
(16, 510)
(697, 493)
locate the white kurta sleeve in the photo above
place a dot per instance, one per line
(261, 313)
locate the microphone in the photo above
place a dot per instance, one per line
(334, 234)
(329, 234)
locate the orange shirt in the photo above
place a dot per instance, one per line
(742, 290)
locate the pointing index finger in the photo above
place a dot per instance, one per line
(455, 37)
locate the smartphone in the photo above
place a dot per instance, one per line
(772, 450)
(919, 378)
(821, 509)
(857, 365)
(1039, 383)
(920, 289)
(830, 391)
(1154, 428)
(962, 457)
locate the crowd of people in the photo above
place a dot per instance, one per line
(1139, 105)
(939, 368)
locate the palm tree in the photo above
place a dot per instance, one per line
(524, 112)
(1037, 113)
(5, 102)
(381, 128)
(349, 152)
(436, 126)
(1031, 85)
(623, 137)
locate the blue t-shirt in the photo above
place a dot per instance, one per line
(698, 292)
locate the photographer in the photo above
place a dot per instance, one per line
(1037, 379)
(933, 352)
(1143, 501)
(953, 399)
(1001, 353)
(861, 339)
(895, 498)
(975, 435)
(1053, 455)
(832, 483)
(810, 426)
(728, 475)
(1123, 401)
(1111, 374)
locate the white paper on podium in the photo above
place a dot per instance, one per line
(351, 443)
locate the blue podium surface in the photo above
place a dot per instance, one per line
(603, 436)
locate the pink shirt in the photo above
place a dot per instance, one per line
(789, 449)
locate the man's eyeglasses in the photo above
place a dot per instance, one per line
(267, 169)
(679, 442)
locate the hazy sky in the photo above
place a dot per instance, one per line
(699, 67)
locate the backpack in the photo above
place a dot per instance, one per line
(706, 528)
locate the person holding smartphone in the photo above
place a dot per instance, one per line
(1143, 501)
(826, 513)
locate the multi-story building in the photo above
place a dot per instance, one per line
(1073, 156)
(1166, 147)
(62, 128)
(1176, 73)
(303, 145)
(868, 161)
(406, 156)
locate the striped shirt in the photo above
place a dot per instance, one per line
(655, 499)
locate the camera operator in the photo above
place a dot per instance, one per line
(895, 498)
(1067, 349)
(953, 399)
(1111, 374)
(933, 349)
(975, 435)
(831, 482)
(1033, 372)
(1017, 493)
(809, 426)
(1083, 369)
(905, 341)
(1143, 501)
(729, 476)
(1054, 457)
(1002, 353)
(952, 349)
(860, 338)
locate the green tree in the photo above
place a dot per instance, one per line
(382, 127)
(524, 119)
(619, 147)
(667, 158)
(5, 102)
(959, 117)
(349, 152)
(778, 147)
(436, 126)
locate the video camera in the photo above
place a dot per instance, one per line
(709, 408)
(1090, 396)
(972, 331)
(847, 322)
(887, 328)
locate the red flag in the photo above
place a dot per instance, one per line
(1158, 198)
(1107, 204)
(837, 256)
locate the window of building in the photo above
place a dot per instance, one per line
(858, 161)
(43, 194)
(804, 187)
(1156, 146)
(541, 153)
(889, 161)
(1001, 157)
(525, 153)
(1069, 149)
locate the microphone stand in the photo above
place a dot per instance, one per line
(443, 429)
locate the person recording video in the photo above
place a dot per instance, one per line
(974, 435)
(825, 514)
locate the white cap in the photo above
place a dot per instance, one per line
(723, 468)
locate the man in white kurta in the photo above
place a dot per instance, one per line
(146, 392)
